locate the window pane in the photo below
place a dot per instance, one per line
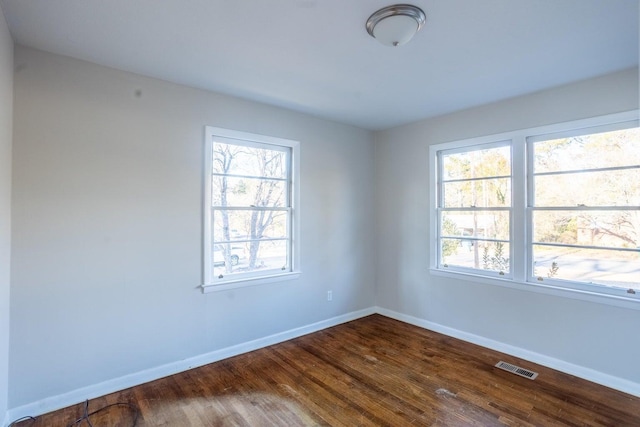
(246, 192)
(477, 164)
(600, 150)
(616, 229)
(484, 193)
(252, 256)
(248, 224)
(477, 254)
(483, 224)
(228, 254)
(602, 188)
(248, 161)
(606, 267)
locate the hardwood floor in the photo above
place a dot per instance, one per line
(373, 371)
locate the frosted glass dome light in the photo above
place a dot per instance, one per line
(395, 25)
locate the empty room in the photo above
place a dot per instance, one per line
(319, 213)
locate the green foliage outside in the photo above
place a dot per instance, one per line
(574, 177)
(449, 246)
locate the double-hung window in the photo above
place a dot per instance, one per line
(250, 215)
(556, 206)
(474, 200)
(584, 207)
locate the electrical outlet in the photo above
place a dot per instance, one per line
(329, 295)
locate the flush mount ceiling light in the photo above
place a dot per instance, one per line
(395, 25)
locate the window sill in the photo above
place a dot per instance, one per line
(243, 283)
(615, 300)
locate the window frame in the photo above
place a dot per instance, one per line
(521, 261)
(211, 283)
(441, 208)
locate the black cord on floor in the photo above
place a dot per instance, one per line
(19, 420)
(86, 414)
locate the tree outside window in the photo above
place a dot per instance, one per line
(249, 210)
(559, 205)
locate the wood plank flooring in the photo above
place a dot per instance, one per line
(374, 371)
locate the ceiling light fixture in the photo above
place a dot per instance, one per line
(395, 25)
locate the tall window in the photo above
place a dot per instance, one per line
(557, 206)
(584, 206)
(249, 210)
(475, 207)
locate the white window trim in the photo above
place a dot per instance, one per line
(519, 222)
(271, 276)
(460, 149)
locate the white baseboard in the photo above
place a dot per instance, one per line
(588, 374)
(79, 395)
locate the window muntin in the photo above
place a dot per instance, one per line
(249, 207)
(547, 222)
(585, 207)
(475, 208)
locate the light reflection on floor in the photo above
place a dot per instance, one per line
(244, 409)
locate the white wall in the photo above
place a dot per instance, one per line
(589, 335)
(106, 229)
(107, 226)
(6, 123)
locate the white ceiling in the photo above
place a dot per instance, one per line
(315, 56)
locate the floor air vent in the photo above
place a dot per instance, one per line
(517, 370)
